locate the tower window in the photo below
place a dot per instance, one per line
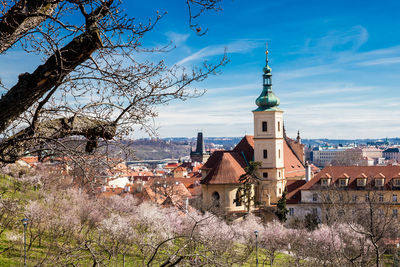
(265, 174)
(279, 126)
(279, 153)
(265, 153)
(238, 199)
(215, 199)
(264, 126)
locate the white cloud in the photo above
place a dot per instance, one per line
(380, 61)
(240, 46)
(177, 39)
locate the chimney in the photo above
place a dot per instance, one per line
(308, 172)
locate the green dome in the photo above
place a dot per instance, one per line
(267, 99)
(267, 69)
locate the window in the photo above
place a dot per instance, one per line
(279, 153)
(361, 182)
(280, 191)
(238, 199)
(314, 211)
(324, 182)
(279, 174)
(380, 197)
(342, 182)
(264, 126)
(291, 211)
(394, 198)
(279, 126)
(215, 199)
(395, 213)
(379, 182)
(315, 197)
(265, 153)
(265, 174)
(397, 182)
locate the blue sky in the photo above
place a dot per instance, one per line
(335, 66)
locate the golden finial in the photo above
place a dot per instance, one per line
(266, 49)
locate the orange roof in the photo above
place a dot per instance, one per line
(354, 172)
(226, 168)
(293, 191)
(246, 146)
(30, 160)
(293, 166)
(180, 168)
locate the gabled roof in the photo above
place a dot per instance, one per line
(293, 193)
(354, 172)
(246, 146)
(226, 168)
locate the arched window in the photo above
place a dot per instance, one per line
(238, 199)
(215, 198)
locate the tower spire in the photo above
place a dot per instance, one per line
(267, 99)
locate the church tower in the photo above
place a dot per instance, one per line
(268, 142)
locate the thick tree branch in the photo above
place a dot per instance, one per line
(15, 147)
(22, 17)
(31, 87)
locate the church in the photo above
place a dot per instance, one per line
(281, 158)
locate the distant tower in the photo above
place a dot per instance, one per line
(200, 154)
(298, 138)
(268, 142)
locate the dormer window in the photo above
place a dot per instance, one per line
(325, 182)
(361, 182)
(379, 182)
(343, 182)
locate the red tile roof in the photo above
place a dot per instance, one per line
(293, 166)
(226, 166)
(354, 172)
(246, 146)
(293, 191)
(180, 168)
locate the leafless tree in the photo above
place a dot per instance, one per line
(91, 87)
(349, 157)
(368, 216)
